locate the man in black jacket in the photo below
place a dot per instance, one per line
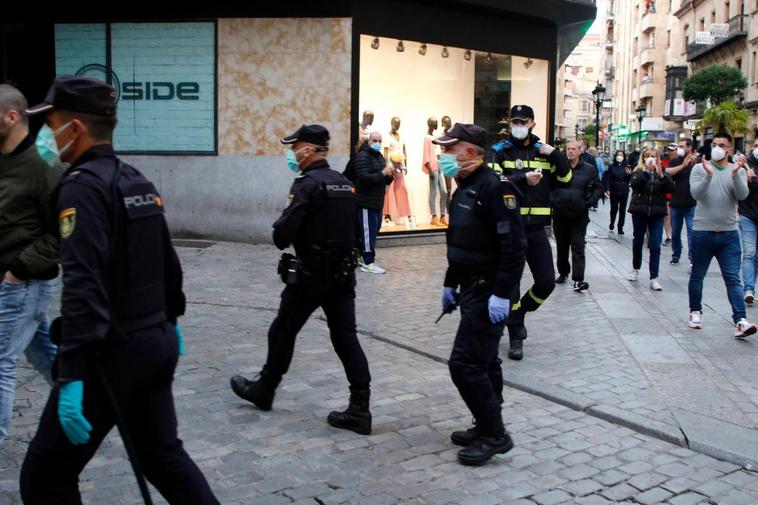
(748, 209)
(535, 168)
(571, 202)
(682, 205)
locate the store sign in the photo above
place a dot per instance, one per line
(704, 38)
(720, 30)
(164, 75)
(691, 124)
(678, 107)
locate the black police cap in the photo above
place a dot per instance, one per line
(522, 112)
(314, 134)
(79, 94)
(471, 133)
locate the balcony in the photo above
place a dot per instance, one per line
(738, 27)
(646, 90)
(609, 44)
(647, 55)
(610, 72)
(648, 22)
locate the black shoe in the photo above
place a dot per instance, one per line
(516, 349)
(610, 226)
(621, 232)
(258, 392)
(561, 279)
(667, 242)
(580, 286)
(464, 438)
(356, 417)
(483, 448)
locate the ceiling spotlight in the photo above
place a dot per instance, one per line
(528, 63)
(467, 55)
(445, 52)
(488, 59)
(400, 47)
(422, 50)
(375, 43)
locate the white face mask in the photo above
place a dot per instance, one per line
(650, 161)
(68, 144)
(755, 153)
(717, 154)
(519, 131)
(680, 152)
(619, 158)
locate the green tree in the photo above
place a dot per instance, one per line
(716, 83)
(726, 116)
(589, 134)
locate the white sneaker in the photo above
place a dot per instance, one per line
(749, 297)
(655, 285)
(373, 268)
(360, 261)
(634, 275)
(696, 319)
(744, 329)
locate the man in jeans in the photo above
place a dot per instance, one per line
(718, 186)
(749, 226)
(682, 206)
(28, 252)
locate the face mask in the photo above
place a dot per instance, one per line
(717, 154)
(46, 146)
(292, 162)
(755, 153)
(376, 146)
(68, 144)
(650, 162)
(619, 159)
(519, 131)
(449, 164)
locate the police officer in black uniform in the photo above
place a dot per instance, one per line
(122, 295)
(534, 167)
(486, 254)
(320, 223)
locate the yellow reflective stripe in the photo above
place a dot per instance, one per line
(516, 306)
(497, 168)
(536, 211)
(568, 177)
(531, 295)
(509, 164)
(545, 165)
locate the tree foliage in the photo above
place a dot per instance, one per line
(716, 83)
(726, 116)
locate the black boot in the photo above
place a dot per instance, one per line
(516, 337)
(464, 437)
(482, 448)
(357, 416)
(259, 392)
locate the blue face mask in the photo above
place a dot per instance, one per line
(292, 162)
(46, 146)
(377, 146)
(449, 164)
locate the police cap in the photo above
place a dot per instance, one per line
(313, 133)
(522, 112)
(471, 133)
(79, 94)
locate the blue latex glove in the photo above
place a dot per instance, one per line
(74, 425)
(180, 339)
(449, 298)
(498, 308)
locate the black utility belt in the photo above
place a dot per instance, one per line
(329, 267)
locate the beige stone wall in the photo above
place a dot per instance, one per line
(276, 74)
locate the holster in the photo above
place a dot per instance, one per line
(290, 268)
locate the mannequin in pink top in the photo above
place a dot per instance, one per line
(430, 166)
(396, 205)
(447, 123)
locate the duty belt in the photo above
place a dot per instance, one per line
(142, 322)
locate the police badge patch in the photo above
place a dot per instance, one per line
(67, 220)
(510, 201)
(519, 164)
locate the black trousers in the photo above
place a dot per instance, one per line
(618, 206)
(474, 363)
(539, 257)
(570, 232)
(140, 369)
(298, 303)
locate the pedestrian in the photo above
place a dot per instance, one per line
(634, 156)
(601, 168)
(28, 249)
(372, 176)
(571, 203)
(486, 253)
(748, 210)
(718, 185)
(616, 182)
(648, 208)
(122, 295)
(320, 223)
(682, 205)
(535, 168)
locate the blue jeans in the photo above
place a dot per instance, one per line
(23, 327)
(654, 228)
(369, 221)
(749, 236)
(437, 184)
(680, 216)
(725, 247)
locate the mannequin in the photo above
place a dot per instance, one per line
(430, 166)
(447, 123)
(396, 198)
(368, 120)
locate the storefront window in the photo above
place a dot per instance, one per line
(421, 89)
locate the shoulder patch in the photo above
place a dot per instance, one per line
(67, 220)
(510, 201)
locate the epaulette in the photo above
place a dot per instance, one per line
(502, 145)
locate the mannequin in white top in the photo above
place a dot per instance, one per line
(396, 204)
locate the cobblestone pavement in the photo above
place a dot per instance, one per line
(618, 352)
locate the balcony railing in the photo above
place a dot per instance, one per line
(610, 72)
(647, 89)
(647, 55)
(648, 22)
(738, 27)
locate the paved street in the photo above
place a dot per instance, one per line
(613, 390)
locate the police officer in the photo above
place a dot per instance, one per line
(486, 254)
(320, 223)
(122, 295)
(534, 167)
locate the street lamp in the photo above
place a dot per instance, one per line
(599, 94)
(640, 114)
